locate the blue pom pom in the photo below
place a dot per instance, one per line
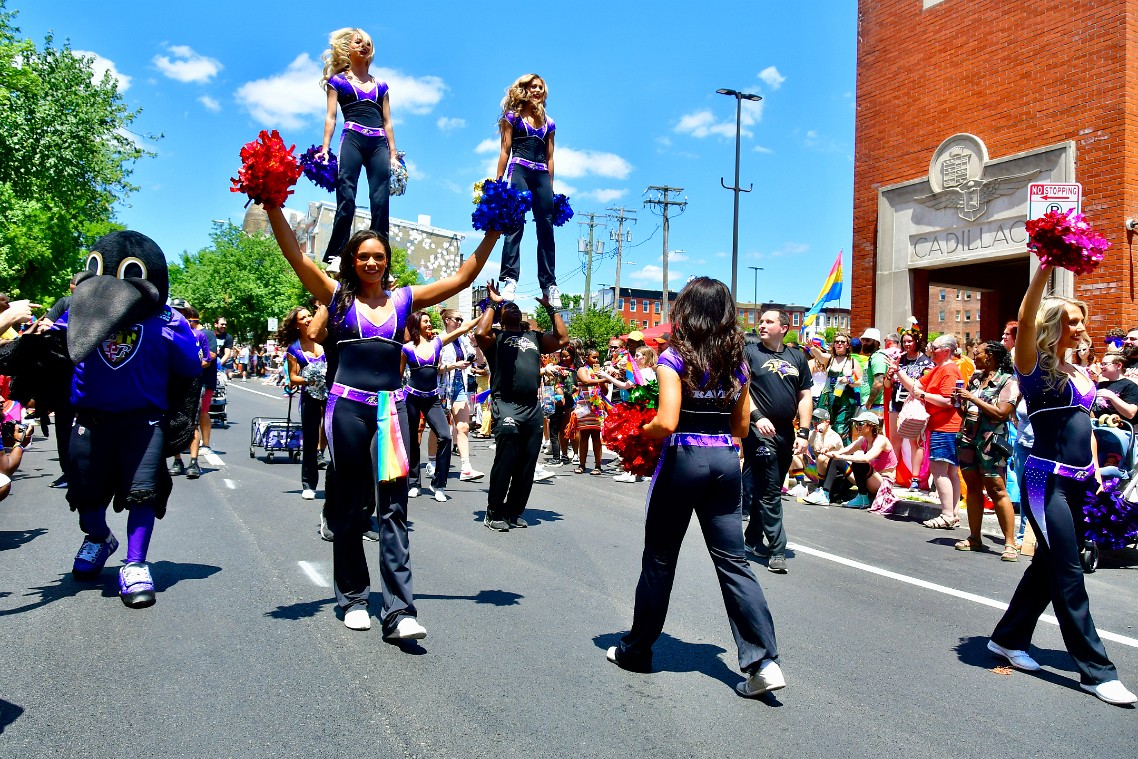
(561, 210)
(320, 172)
(502, 208)
(399, 176)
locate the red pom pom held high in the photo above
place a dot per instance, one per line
(268, 170)
(1066, 240)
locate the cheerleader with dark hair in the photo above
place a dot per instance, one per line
(301, 351)
(526, 160)
(703, 406)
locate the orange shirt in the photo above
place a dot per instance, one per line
(967, 368)
(942, 381)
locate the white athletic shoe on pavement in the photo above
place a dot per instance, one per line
(429, 469)
(309, 494)
(508, 289)
(407, 629)
(799, 491)
(440, 495)
(470, 474)
(553, 295)
(412, 492)
(357, 619)
(627, 477)
(818, 498)
(541, 473)
(204, 451)
(1018, 659)
(769, 677)
(1112, 692)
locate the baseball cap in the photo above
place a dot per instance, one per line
(179, 303)
(868, 417)
(873, 333)
(636, 335)
(820, 415)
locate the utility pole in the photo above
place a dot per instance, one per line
(592, 224)
(663, 205)
(621, 215)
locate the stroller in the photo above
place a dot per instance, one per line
(217, 412)
(276, 435)
(1111, 517)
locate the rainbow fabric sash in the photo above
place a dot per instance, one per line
(391, 454)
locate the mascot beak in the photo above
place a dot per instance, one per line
(101, 306)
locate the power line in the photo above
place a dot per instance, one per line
(622, 214)
(663, 204)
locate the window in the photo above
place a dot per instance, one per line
(967, 316)
(968, 295)
(942, 295)
(794, 319)
(621, 306)
(632, 305)
(821, 321)
(657, 304)
(958, 295)
(646, 324)
(957, 316)
(646, 307)
(941, 312)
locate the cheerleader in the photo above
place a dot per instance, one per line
(367, 140)
(703, 406)
(366, 418)
(526, 160)
(303, 350)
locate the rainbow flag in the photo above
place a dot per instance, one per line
(832, 290)
(391, 455)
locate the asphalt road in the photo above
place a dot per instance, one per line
(244, 653)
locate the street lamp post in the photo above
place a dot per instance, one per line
(736, 189)
(756, 270)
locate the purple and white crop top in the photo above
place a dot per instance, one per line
(355, 325)
(361, 106)
(702, 412)
(529, 144)
(1060, 417)
(424, 372)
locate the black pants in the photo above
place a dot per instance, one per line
(705, 480)
(517, 432)
(556, 424)
(432, 409)
(117, 458)
(1056, 577)
(360, 152)
(311, 417)
(769, 461)
(350, 427)
(64, 417)
(538, 183)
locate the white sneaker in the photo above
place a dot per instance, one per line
(1112, 692)
(357, 619)
(768, 678)
(440, 495)
(412, 492)
(626, 477)
(309, 494)
(430, 469)
(541, 474)
(509, 289)
(1019, 659)
(799, 491)
(470, 474)
(205, 451)
(545, 447)
(407, 629)
(553, 295)
(818, 498)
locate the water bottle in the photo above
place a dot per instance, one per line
(956, 393)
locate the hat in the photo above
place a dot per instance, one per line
(868, 417)
(636, 335)
(179, 303)
(873, 333)
(820, 415)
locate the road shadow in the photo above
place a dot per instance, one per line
(9, 713)
(1125, 558)
(301, 610)
(491, 597)
(674, 655)
(166, 574)
(973, 651)
(533, 517)
(10, 539)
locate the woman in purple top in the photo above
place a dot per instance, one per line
(1060, 471)
(367, 141)
(421, 356)
(366, 419)
(703, 408)
(302, 350)
(526, 160)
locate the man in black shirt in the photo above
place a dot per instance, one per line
(1116, 394)
(780, 389)
(514, 356)
(224, 346)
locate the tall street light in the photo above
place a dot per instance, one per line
(736, 189)
(756, 269)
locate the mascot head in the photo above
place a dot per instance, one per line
(130, 283)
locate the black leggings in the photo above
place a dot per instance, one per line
(517, 434)
(311, 417)
(350, 427)
(706, 480)
(432, 409)
(372, 154)
(538, 183)
(1056, 577)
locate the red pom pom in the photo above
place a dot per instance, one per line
(624, 435)
(268, 170)
(1066, 240)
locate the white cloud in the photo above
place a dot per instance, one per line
(578, 163)
(702, 123)
(447, 124)
(606, 196)
(771, 77)
(654, 275)
(210, 103)
(185, 65)
(762, 149)
(489, 145)
(413, 171)
(676, 257)
(721, 254)
(417, 95)
(101, 65)
(791, 249)
(288, 99)
(569, 190)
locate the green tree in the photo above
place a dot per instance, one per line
(65, 160)
(570, 303)
(596, 326)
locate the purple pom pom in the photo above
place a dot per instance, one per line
(319, 171)
(502, 208)
(561, 210)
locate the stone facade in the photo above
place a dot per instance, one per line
(996, 81)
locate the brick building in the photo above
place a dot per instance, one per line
(639, 308)
(960, 105)
(955, 311)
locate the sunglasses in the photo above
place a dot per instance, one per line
(841, 342)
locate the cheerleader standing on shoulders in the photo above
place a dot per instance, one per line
(367, 140)
(303, 350)
(526, 161)
(422, 392)
(1061, 469)
(366, 418)
(703, 406)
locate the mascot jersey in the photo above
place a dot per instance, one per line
(129, 371)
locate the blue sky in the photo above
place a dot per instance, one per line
(632, 89)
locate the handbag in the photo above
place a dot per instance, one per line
(998, 446)
(912, 419)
